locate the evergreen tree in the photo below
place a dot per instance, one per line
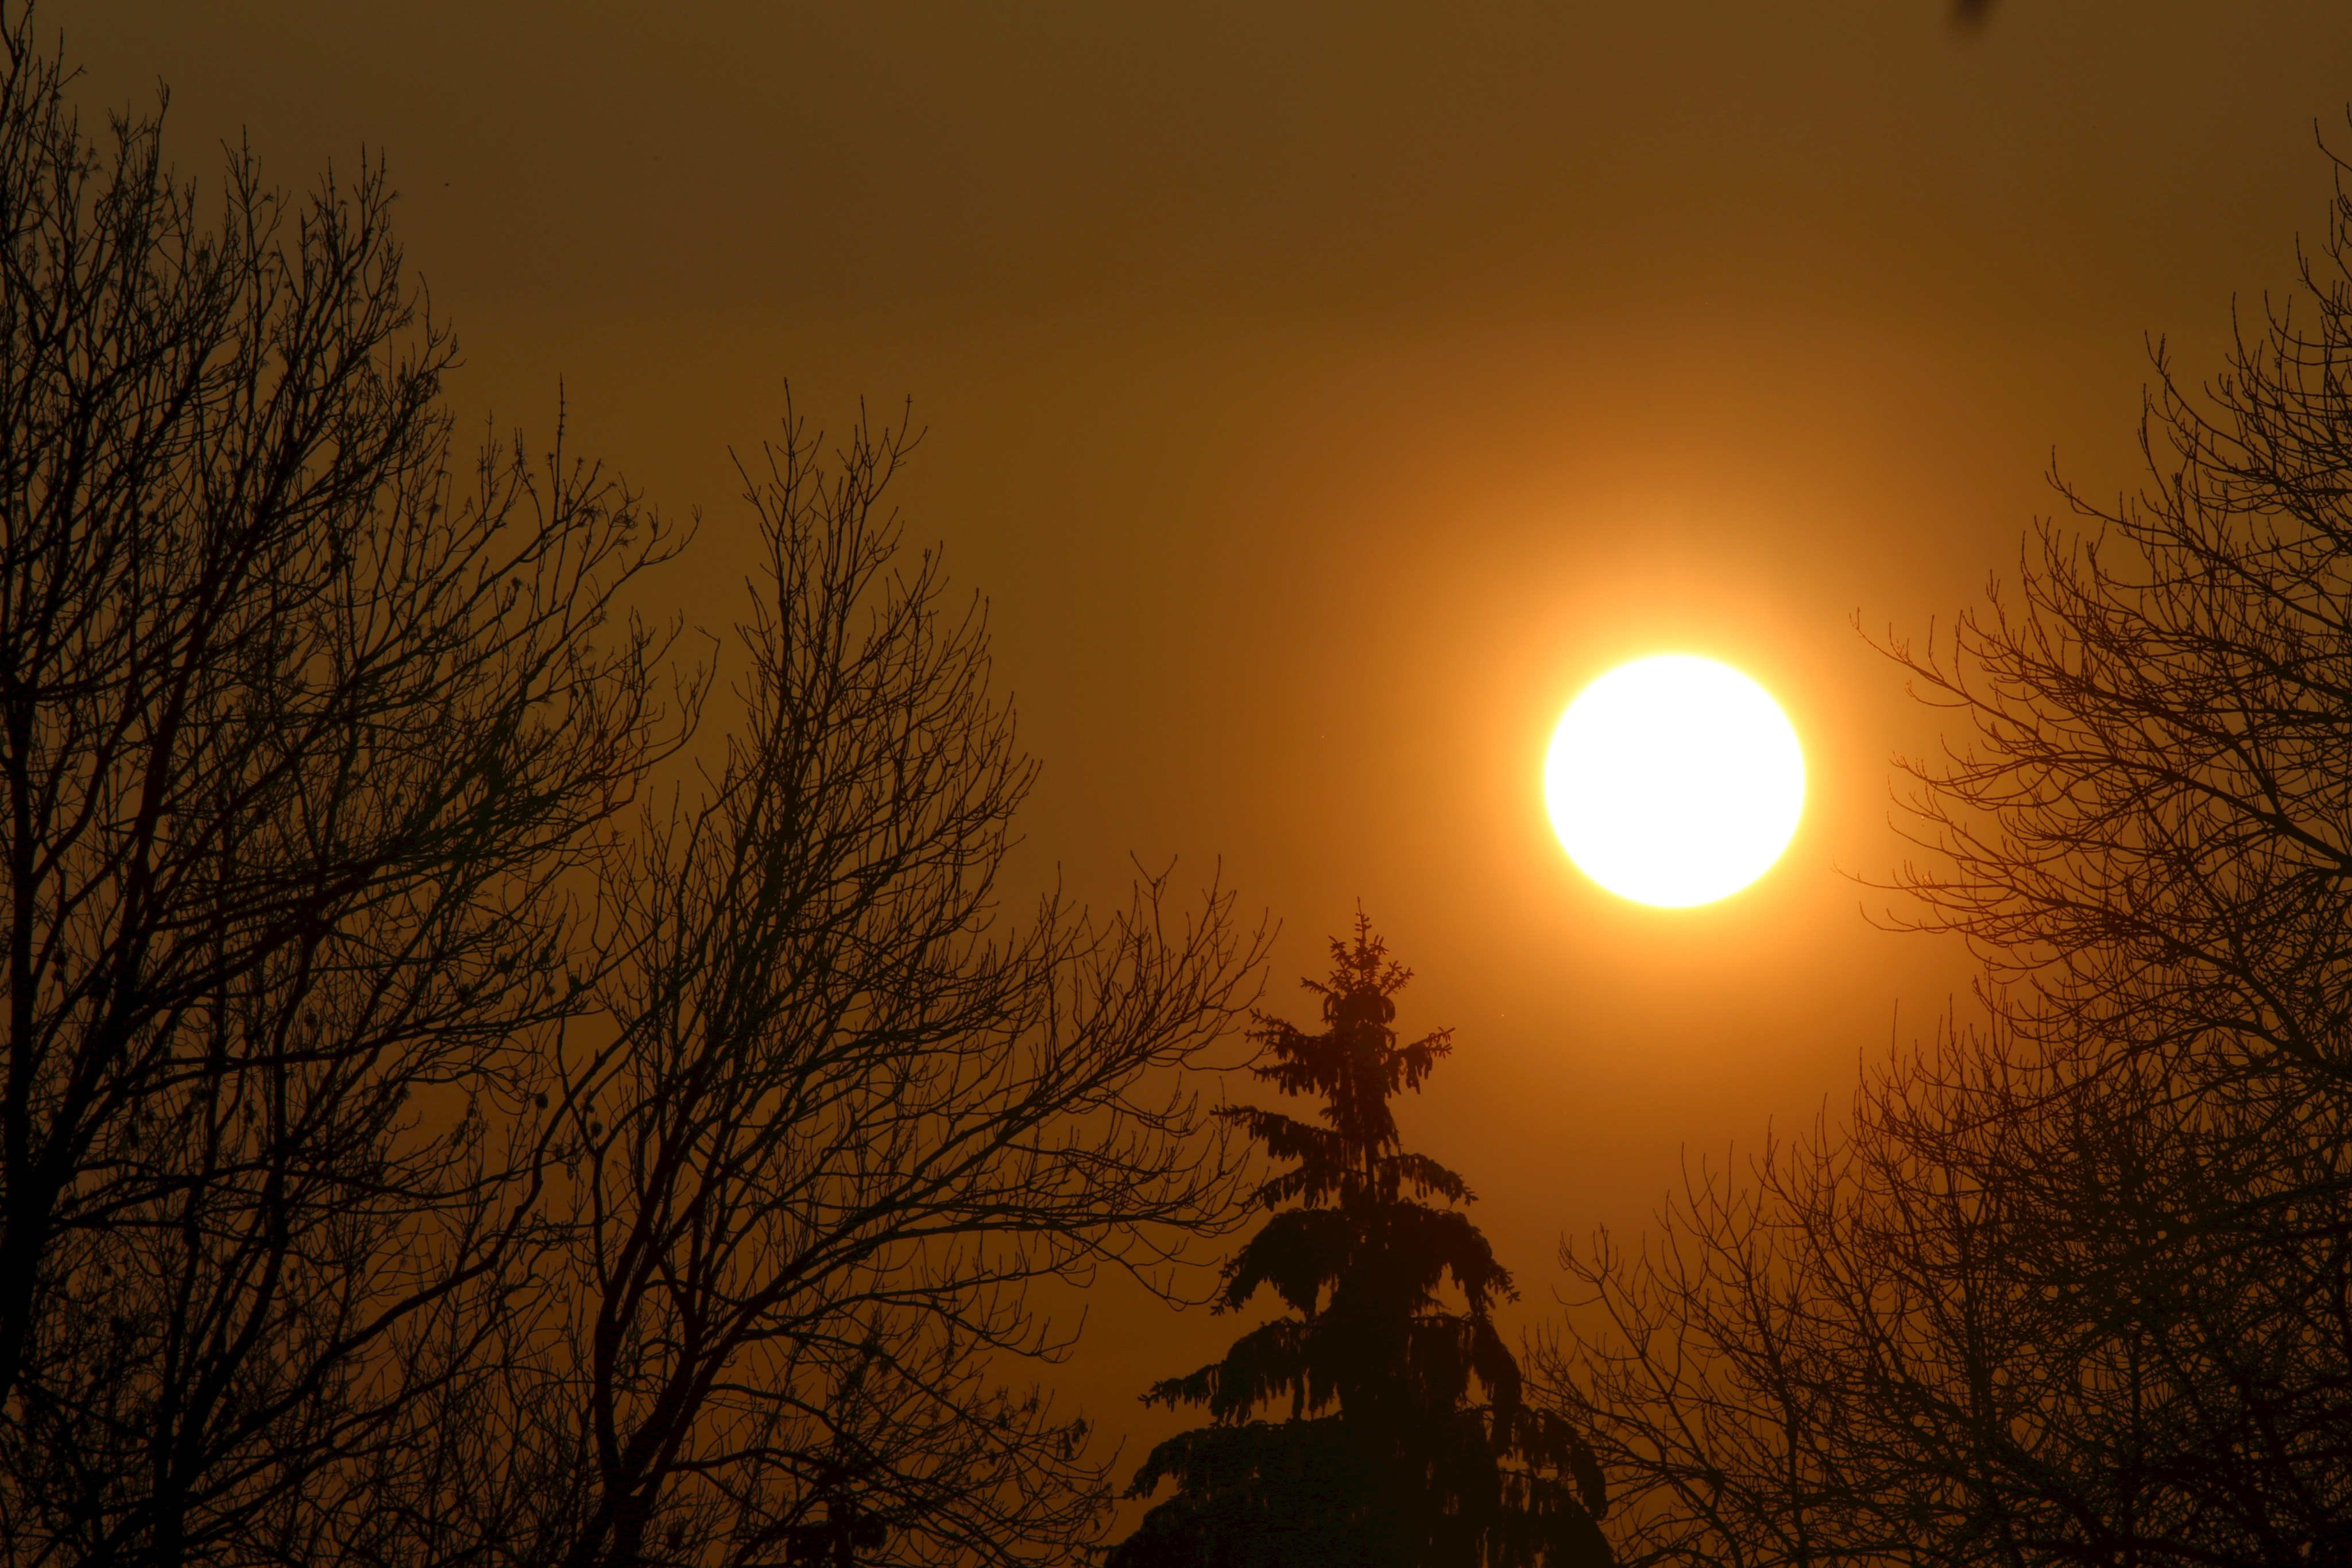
(1384, 1459)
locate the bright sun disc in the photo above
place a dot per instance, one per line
(1674, 780)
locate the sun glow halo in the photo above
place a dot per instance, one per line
(1674, 780)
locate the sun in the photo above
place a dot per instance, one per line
(1674, 780)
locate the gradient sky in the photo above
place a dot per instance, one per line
(1322, 393)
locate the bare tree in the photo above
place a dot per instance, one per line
(397, 1163)
(1978, 1321)
(2076, 1286)
(301, 738)
(851, 1113)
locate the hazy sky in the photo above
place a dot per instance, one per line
(1322, 393)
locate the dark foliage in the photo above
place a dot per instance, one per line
(1385, 1454)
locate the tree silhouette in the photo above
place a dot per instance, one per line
(2076, 1285)
(1385, 1455)
(852, 1111)
(310, 725)
(403, 1161)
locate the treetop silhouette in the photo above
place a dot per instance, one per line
(1384, 1457)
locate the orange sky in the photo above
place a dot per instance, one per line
(1322, 393)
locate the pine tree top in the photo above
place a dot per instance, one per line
(1357, 1066)
(1407, 1444)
